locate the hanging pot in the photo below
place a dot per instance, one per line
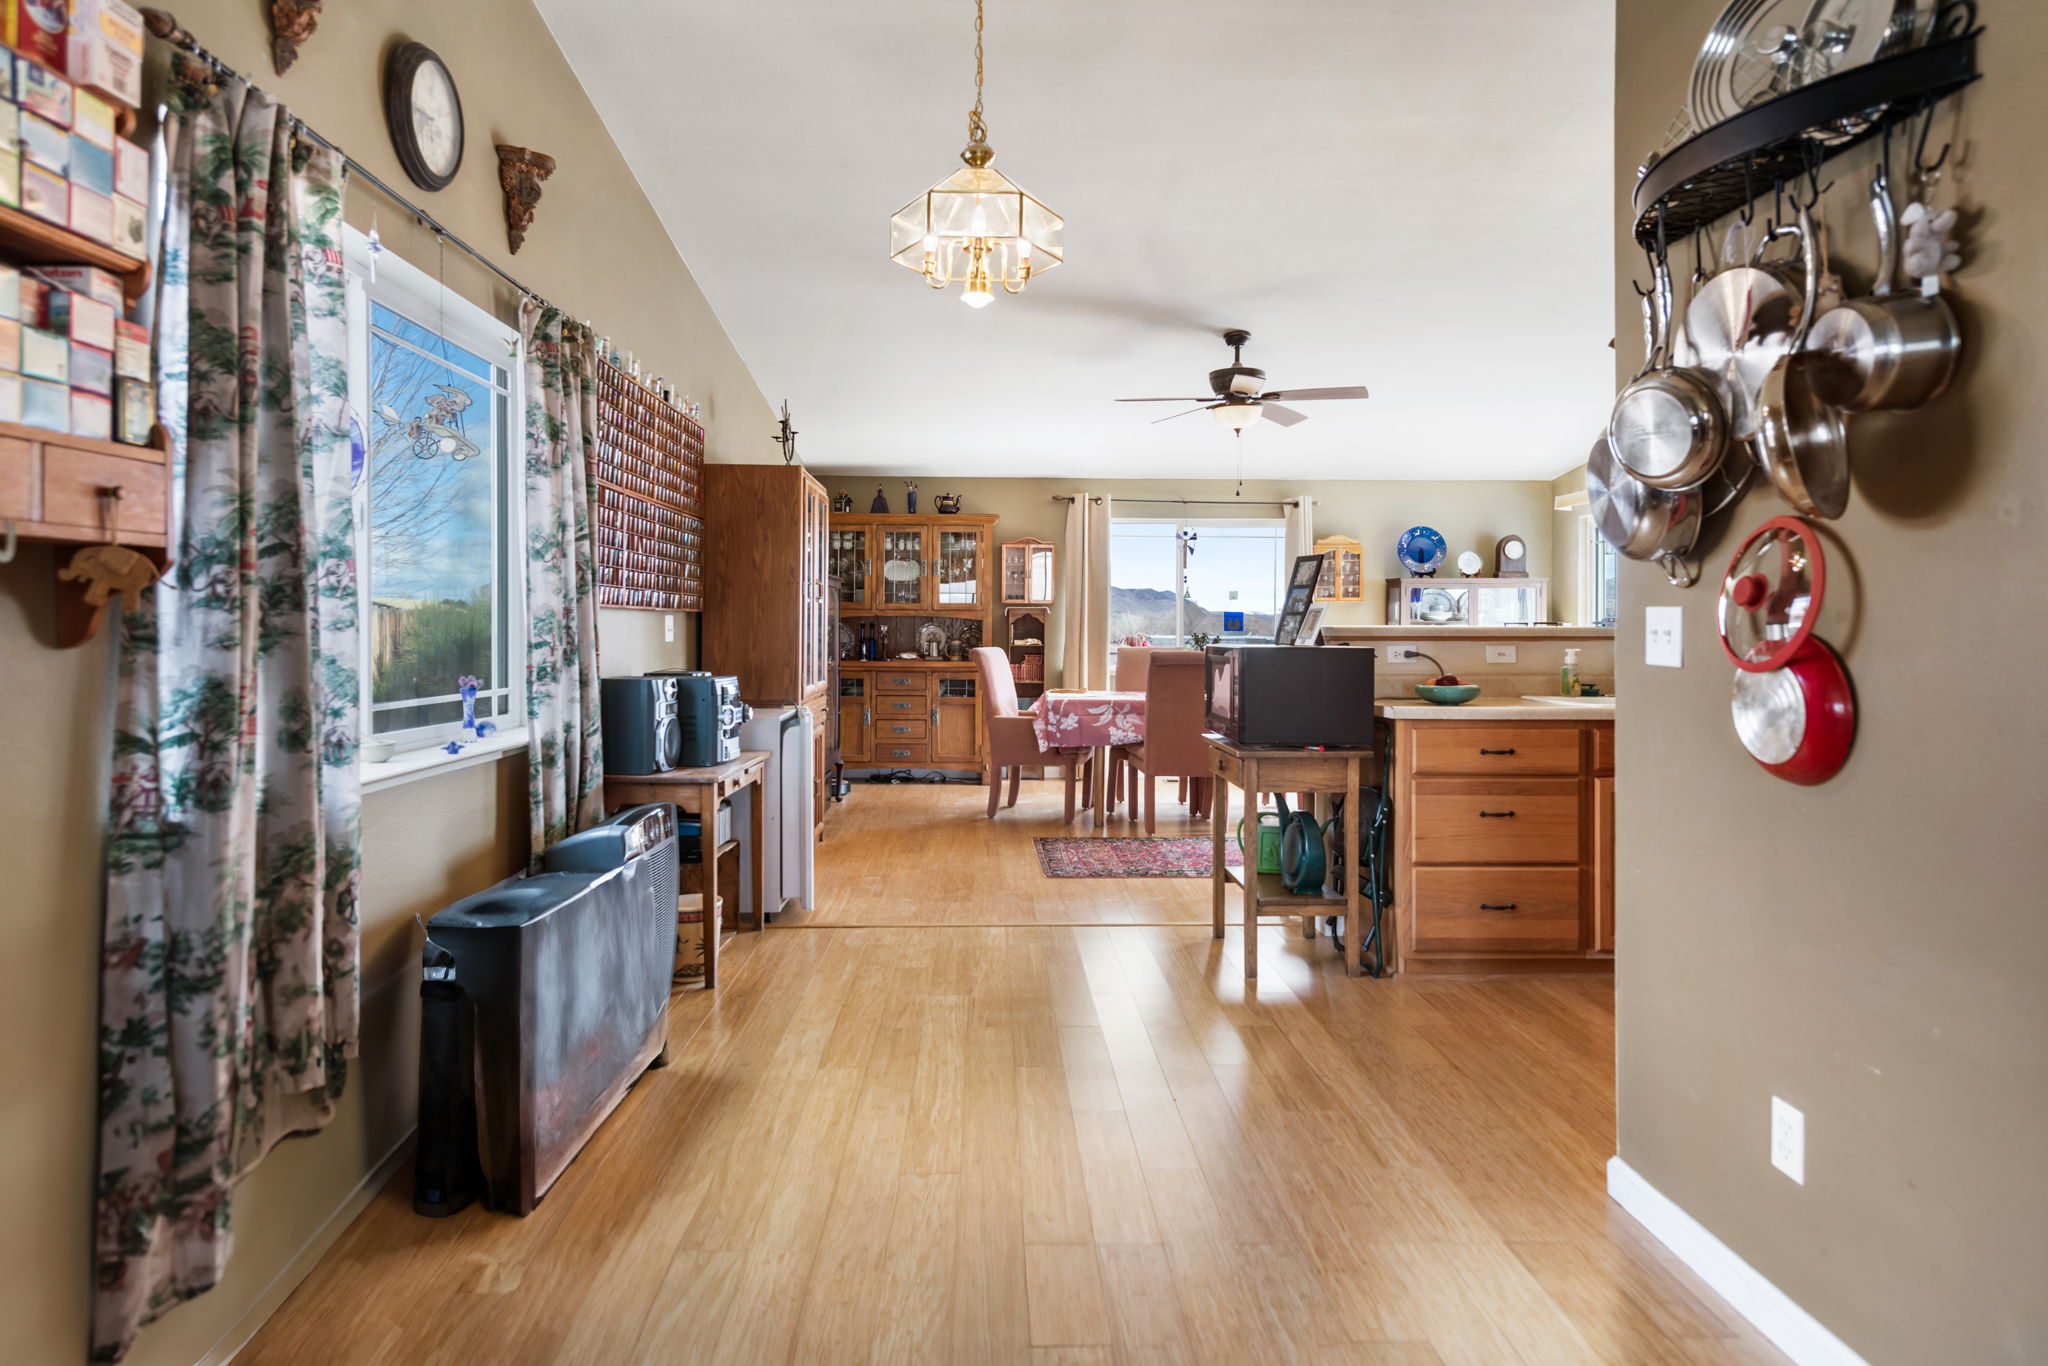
(1743, 321)
(1799, 720)
(1640, 522)
(1772, 594)
(1669, 427)
(1896, 351)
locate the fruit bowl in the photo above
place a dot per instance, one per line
(1447, 694)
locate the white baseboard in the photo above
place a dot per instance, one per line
(309, 1254)
(1775, 1314)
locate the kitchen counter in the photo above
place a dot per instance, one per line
(1367, 635)
(1494, 709)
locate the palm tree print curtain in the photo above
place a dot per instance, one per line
(228, 987)
(565, 763)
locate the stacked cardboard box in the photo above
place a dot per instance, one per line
(72, 167)
(69, 362)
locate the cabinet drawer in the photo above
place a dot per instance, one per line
(1475, 820)
(1496, 910)
(901, 704)
(19, 486)
(894, 730)
(889, 755)
(1603, 749)
(1440, 748)
(72, 480)
(904, 681)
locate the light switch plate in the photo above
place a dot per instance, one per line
(1788, 1140)
(1664, 637)
(668, 626)
(1500, 654)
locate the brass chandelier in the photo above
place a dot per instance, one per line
(976, 228)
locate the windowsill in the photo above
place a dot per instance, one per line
(431, 761)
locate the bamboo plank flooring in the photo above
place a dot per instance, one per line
(1087, 1143)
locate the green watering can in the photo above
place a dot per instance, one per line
(1301, 851)
(1269, 823)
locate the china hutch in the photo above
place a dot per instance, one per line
(1343, 576)
(916, 594)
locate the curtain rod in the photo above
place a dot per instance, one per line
(164, 25)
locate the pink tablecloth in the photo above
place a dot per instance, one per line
(1088, 720)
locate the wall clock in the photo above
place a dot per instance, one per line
(424, 114)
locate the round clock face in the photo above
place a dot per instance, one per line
(1512, 548)
(425, 115)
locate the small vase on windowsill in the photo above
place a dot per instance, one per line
(468, 684)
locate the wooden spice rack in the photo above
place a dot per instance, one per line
(28, 240)
(648, 523)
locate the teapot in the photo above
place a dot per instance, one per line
(948, 502)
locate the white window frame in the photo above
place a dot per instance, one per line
(412, 292)
(1591, 547)
(1180, 564)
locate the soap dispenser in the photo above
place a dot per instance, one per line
(1568, 676)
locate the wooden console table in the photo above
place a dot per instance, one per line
(697, 792)
(1259, 771)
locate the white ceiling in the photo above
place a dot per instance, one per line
(1408, 194)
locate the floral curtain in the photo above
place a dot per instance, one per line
(228, 977)
(565, 763)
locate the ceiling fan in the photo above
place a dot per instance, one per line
(1241, 397)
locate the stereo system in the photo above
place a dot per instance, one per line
(673, 719)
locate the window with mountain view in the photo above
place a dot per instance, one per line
(1171, 579)
(436, 514)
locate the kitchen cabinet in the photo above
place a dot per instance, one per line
(900, 564)
(1503, 845)
(856, 719)
(911, 714)
(956, 719)
(851, 557)
(1343, 576)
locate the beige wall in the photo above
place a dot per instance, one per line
(1567, 551)
(597, 250)
(1871, 949)
(1471, 515)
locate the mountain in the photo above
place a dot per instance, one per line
(1149, 612)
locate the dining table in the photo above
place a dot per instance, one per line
(1097, 719)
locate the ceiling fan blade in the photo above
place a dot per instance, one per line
(1170, 417)
(1296, 395)
(1279, 416)
(1203, 399)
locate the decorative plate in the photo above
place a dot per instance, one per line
(1421, 549)
(901, 571)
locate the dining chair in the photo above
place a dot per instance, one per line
(1175, 717)
(1012, 740)
(1131, 664)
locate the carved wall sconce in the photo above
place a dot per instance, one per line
(520, 172)
(291, 23)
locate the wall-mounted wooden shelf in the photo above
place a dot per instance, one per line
(28, 240)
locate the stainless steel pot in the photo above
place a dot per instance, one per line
(1897, 351)
(1801, 442)
(1640, 522)
(1741, 322)
(1668, 427)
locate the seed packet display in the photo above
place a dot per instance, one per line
(45, 404)
(42, 90)
(10, 177)
(45, 355)
(131, 227)
(92, 415)
(92, 166)
(10, 345)
(82, 318)
(10, 294)
(131, 170)
(131, 350)
(10, 396)
(92, 118)
(92, 215)
(45, 143)
(45, 195)
(92, 370)
(91, 281)
(105, 49)
(36, 28)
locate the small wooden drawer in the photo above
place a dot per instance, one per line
(1603, 749)
(889, 730)
(1441, 748)
(902, 681)
(1496, 910)
(892, 755)
(1480, 820)
(900, 704)
(20, 489)
(73, 479)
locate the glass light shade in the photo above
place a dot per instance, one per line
(1236, 416)
(936, 233)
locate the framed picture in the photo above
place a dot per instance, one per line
(1307, 569)
(1299, 602)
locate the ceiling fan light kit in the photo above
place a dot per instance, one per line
(1239, 396)
(977, 228)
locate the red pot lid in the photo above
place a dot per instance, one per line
(1797, 721)
(1771, 595)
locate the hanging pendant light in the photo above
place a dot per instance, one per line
(976, 228)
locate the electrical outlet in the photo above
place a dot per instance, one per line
(1788, 1140)
(668, 626)
(1500, 654)
(1664, 637)
(1402, 654)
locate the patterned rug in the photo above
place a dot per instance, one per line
(1072, 856)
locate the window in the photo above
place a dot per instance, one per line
(1170, 579)
(1599, 585)
(433, 391)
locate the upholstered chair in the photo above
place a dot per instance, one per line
(1013, 743)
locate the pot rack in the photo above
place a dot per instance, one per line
(1723, 169)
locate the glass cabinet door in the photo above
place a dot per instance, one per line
(957, 580)
(852, 562)
(1508, 604)
(903, 566)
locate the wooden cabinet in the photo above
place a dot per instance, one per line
(910, 716)
(766, 613)
(1504, 845)
(856, 719)
(892, 564)
(1343, 576)
(850, 555)
(956, 719)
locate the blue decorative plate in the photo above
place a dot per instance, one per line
(1421, 549)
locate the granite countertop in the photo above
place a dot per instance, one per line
(1494, 709)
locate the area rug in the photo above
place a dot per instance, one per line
(1074, 856)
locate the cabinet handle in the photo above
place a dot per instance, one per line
(935, 716)
(1495, 751)
(1501, 906)
(867, 718)
(1484, 815)
(899, 730)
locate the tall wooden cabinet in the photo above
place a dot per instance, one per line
(767, 606)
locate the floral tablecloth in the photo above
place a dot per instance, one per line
(1088, 720)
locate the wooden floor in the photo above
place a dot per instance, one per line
(1055, 1145)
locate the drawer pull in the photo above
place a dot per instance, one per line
(899, 754)
(1495, 815)
(900, 730)
(1491, 906)
(1484, 750)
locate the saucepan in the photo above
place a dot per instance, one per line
(1669, 428)
(1800, 439)
(1641, 522)
(1742, 320)
(1896, 351)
